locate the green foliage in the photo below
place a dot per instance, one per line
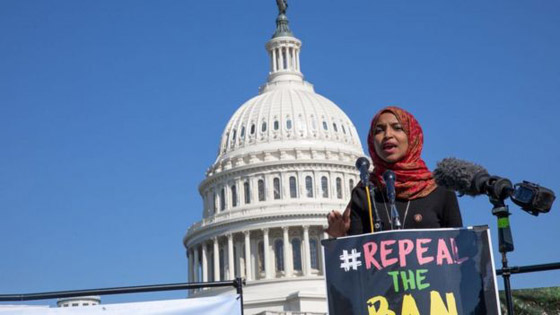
(539, 301)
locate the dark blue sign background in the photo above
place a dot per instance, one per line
(440, 271)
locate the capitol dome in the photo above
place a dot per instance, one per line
(286, 158)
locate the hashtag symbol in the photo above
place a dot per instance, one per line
(350, 261)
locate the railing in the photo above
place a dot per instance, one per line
(237, 284)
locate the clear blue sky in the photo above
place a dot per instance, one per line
(111, 111)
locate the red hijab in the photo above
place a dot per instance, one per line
(414, 180)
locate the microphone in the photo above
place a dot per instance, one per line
(389, 178)
(362, 164)
(464, 177)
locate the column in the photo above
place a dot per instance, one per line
(204, 263)
(248, 270)
(288, 263)
(281, 58)
(230, 257)
(216, 260)
(297, 59)
(196, 265)
(191, 272)
(307, 251)
(274, 62)
(266, 254)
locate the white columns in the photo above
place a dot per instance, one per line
(216, 260)
(191, 267)
(274, 61)
(196, 265)
(230, 257)
(266, 254)
(281, 59)
(307, 251)
(287, 261)
(297, 60)
(204, 263)
(248, 270)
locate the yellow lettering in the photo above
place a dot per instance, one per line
(381, 309)
(437, 307)
(409, 306)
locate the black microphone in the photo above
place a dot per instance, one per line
(461, 176)
(389, 178)
(362, 164)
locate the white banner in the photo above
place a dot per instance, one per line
(218, 305)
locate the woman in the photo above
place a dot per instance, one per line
(395, 142)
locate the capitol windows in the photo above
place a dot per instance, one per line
(260, 256)
(325, 126)
(276, 184)
(343, 129)
(338, 188)
(260, 186)
(276, 125)
(325, 187)
(242, 131)
(253, 129)
(335, 128)
(279, 254)
(309, 186)
(314, 253)
(247, 192)
(222, 199)
(296, 250)
(293, 187)
(263, 126)
(233, 196)
(289, 124)
(351, 184)
(233, 137)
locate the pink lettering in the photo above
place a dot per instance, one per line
(443, 253)
(385, 251)
(405, 248)
(421, 250)
(370, 248)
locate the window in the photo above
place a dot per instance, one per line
(296, 249)
(242, 131)
(222, 199)
(233, 196)
(215, 203)
(263, 126)
(233, 136)
(222, 265)
(261, 256)
(279, 254)
(247, 192)
(276, 125)
(325, 126)
(309, 186)
(325, 187)
(276, 184)
(293, 187)
(334, 127)
(338, 188)
(253, 129)
(289, 124)
(343, 129)
(314, 253)
(351, 184)
(261, 190)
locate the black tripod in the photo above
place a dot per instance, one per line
(502, 213)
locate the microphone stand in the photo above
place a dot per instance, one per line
(505, 241)
(377, 224)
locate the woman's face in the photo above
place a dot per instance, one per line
(390, 140)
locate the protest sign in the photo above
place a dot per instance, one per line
(436, 272)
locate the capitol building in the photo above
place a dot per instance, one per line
(286, 158)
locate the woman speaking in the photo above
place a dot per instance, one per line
(395, 143)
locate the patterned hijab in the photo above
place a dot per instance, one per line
(413, 179)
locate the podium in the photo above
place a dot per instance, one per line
(431, 271)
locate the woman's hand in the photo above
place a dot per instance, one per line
(339, 224)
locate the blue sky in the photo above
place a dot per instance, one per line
(111, 111)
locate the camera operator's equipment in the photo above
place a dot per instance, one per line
(362, 164)
(471, 179)
(390, 178)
